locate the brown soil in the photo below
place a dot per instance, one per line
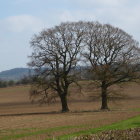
(17, 113)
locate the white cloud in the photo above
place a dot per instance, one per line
(22, 23)
(66, 16)
(78, 15)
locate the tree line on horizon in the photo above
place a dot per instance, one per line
(25, 80)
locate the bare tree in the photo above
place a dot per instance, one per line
(55, 55)
(112, 54)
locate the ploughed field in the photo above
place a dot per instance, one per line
(19, 119)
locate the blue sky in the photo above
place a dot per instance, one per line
(20, 19)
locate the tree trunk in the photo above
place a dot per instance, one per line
(104, 98)
(63, 98)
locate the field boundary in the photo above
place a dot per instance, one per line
(124, 124)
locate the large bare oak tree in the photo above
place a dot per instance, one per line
(55, 55)
(112, 54)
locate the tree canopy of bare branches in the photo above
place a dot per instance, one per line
(55, 55)
(112, 54)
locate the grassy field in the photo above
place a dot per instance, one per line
(19, 119)
(133, 122)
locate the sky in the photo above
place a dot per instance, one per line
(21, 19)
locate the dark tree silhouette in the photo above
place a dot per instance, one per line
(55, 55)
(112, 54)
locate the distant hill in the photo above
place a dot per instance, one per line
(14, 74)
(18, 73)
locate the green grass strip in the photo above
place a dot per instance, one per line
(136, 109)
(38, 132)
(126, 124)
